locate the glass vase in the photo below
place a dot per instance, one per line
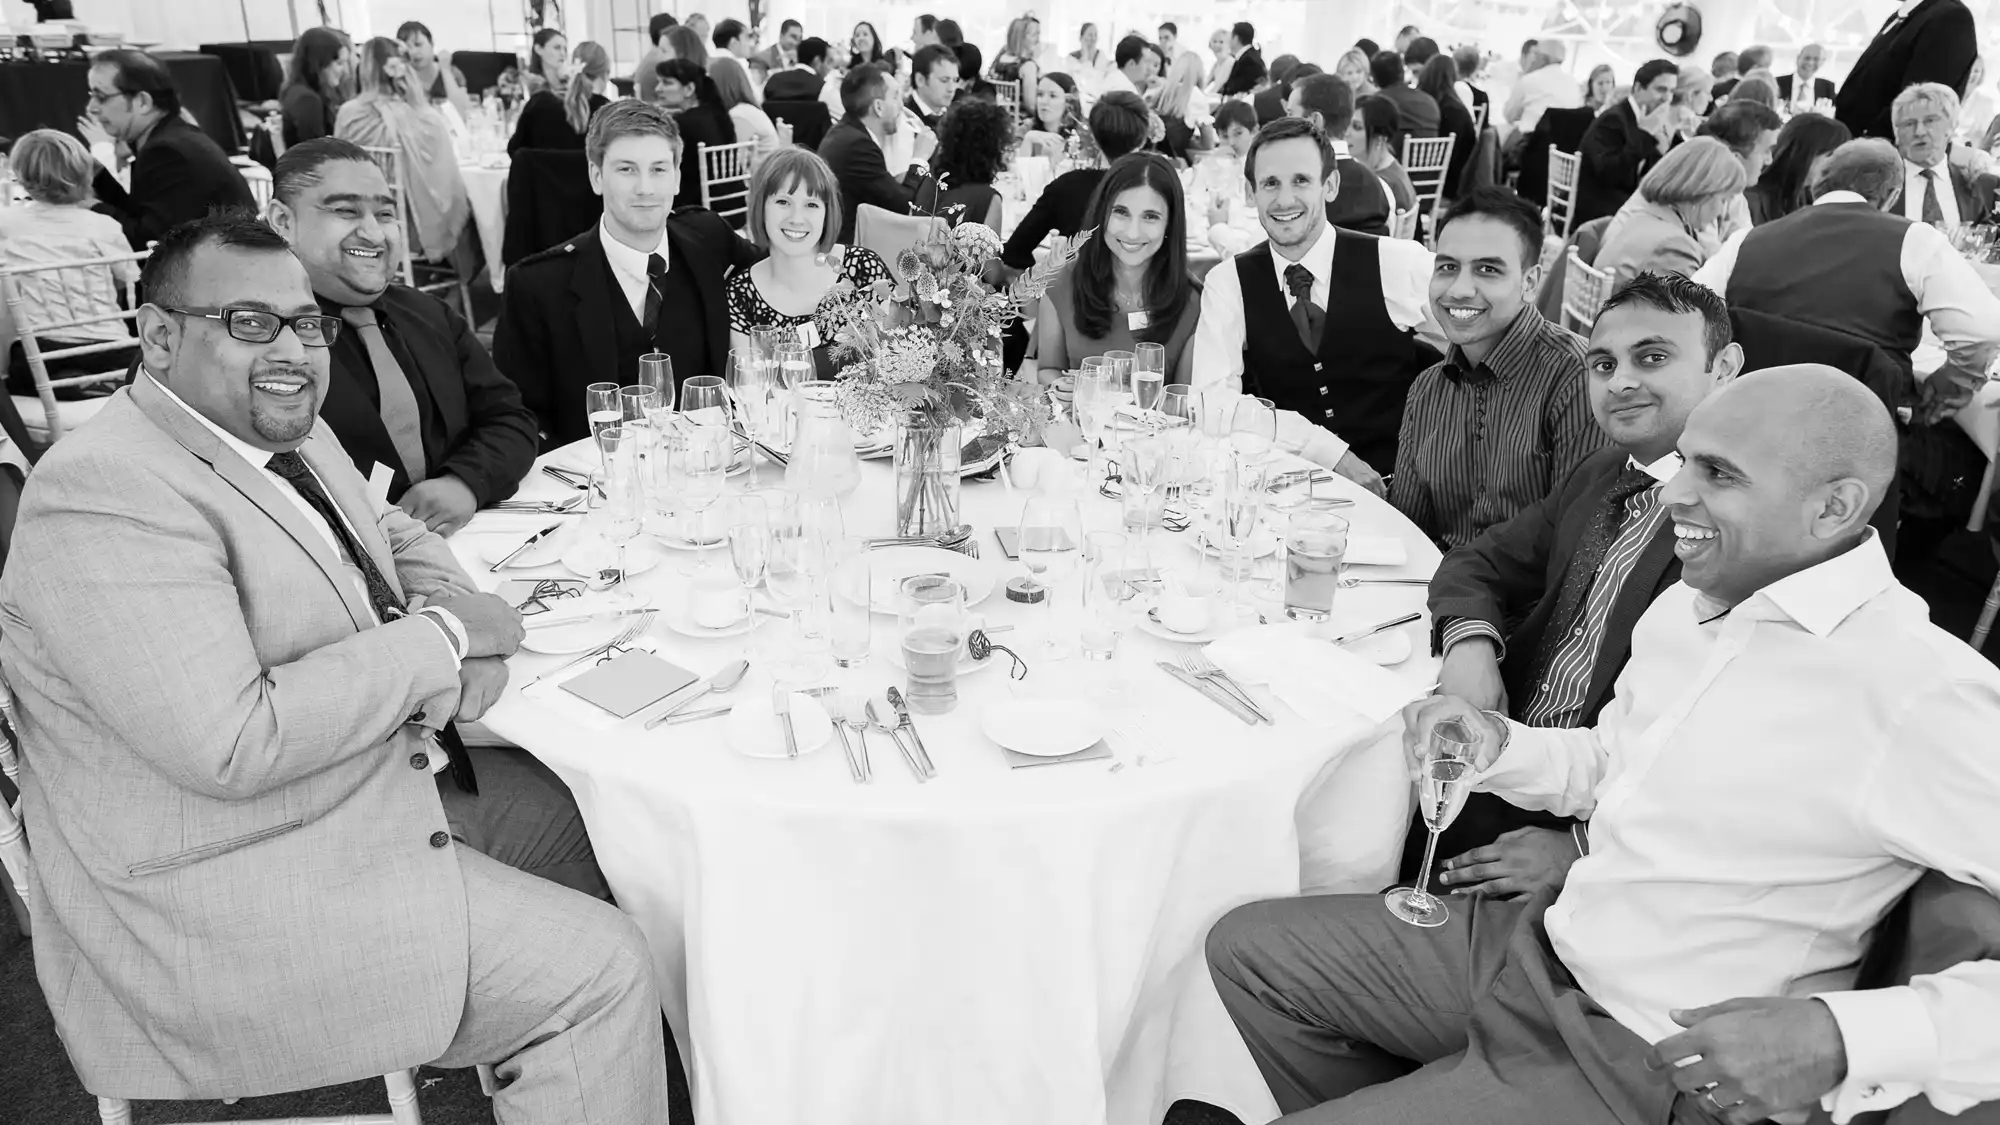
(926, 477)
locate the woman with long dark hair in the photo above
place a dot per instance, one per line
(1786, 183)
(864, 46)
(687, 92)
(312, 87)
(559, 121)
(1439, 79)
(973, 138)
(545, 61)
(1130, 282)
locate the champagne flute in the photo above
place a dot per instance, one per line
(1049, 535)
(600, 407)
(1241, 508)
(1182, 409)
(656, 370)
(1149, 375)
(1093, 411)
(1143, 466)
(749, 542)
(1443, 780)
(621, 510)
(755, 386)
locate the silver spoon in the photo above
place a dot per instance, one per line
(723, 681)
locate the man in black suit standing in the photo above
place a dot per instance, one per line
(1803, 88)
(1534, 617)
(640, 281)
(1625, 141)
(1931, 41)
(413, 397)
(1364, 202)
(178, 171)
(853, 147)
(801, 82)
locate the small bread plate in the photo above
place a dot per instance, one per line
(1043, 728)
(679, 616)
(888, 566)
(590, 556)
(754, 730)
(1216, 628)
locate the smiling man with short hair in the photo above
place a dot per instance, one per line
(1504, 417)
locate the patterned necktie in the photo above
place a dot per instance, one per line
(399, 398)
(1589, 556)
(656, 283)
(1933, 213)
(381, 596)
(1307, 317)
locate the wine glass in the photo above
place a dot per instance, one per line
(705, 399)
(621, 509)
(793, 572)
(1149, 375)
(656, 370)
(600, 406)
(1443, 780)
(1049, 534)
(1253, 426)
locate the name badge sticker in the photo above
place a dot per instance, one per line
(809, 334)
(1137, 321)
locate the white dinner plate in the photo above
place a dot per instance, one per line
(1386, 648)
(888, 566)
(494, 546)
(675, 614)
(590, 555)
(1217, 627)
(754, 731)
(1043, 728)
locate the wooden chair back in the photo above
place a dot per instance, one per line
(1403, 224)
(443, 277)
(54, 300)
(1564, 168)
(1585, 288)
(1426, 159)
(725, 180)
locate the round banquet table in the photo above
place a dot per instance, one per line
(995, 945)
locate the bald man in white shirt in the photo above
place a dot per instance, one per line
(1792, 745)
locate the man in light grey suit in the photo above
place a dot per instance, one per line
(245, 879)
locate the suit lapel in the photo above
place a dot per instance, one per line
(706, 274)
(259, 490)
(593, 293)
(1656, 569)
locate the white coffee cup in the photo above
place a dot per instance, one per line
(718, 605)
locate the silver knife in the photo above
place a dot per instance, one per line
(781, 702)
(1213, 693)
(673, 717)
(535, 621)
(696, 690)
(1374, 629)
(903, 713)
(537, 537)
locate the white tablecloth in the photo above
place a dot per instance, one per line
(995, 946)
(486, 188)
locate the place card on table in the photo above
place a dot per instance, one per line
(629, 683)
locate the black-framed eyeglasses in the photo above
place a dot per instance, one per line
(99, 97)
(256, 326)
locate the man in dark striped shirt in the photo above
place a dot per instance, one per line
(1534, 618)
(1492, 428)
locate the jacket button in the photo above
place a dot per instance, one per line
(416, 718)
(420, 761)
(1322, 390)
(1329, 413)
(440, 839)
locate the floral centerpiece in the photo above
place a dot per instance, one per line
(921, 358)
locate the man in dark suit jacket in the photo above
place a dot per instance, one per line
(1535, 616)
(853, 147)
(411, 393)
(1363, 203)
(178, 171)
(1936, 42)
(801, 83)
(1624, 142)
(1419, 110)
(638, 281)
(1269, 102)
(1806, 69)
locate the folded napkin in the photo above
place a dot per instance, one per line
(1376, 550)
(1321, 681)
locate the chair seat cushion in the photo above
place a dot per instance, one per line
(73, 414)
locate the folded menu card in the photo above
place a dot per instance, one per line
(629, 683)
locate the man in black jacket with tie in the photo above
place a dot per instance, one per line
(178, 171)
(1935, 41)
(639, 281)
(413, 397)
(1534, 617)
(853, 147)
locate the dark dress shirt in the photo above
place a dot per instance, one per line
(473, 424)
(1482, 442)
(1062, 208)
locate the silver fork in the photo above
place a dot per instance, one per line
(625, 637)
(1197, 663)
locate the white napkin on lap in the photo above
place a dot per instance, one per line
(1376, 550)
(1321, 681)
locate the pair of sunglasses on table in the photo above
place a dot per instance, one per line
(257, 326)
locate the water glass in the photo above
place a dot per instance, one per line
(700, 464)
(795, 573)
(931, 627)
(1253, 425)
(1050, 533)
(600, 406)
(1109, 594)
(850, 593)
(1315, 549)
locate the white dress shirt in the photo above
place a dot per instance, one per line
(1913, 192)
(1218, 337)
(1962, 312)
(1546, 88)
(451, 629)
(628, 266)
(1762, 788)
(1115, 79)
